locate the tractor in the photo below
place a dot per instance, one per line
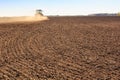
(38, 13)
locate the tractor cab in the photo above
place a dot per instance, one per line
(38, 13)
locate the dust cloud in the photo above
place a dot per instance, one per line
(22, 19)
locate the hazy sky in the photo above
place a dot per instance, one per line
(58, 7)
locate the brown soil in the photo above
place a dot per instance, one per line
(63, 48)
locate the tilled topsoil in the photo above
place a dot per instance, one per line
(62, 48)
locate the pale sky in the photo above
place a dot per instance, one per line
(58, 7)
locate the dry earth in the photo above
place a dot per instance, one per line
(63, 48)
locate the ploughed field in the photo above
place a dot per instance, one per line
(62, 48)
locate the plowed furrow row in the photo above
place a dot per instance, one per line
(28, 69)
(16, 72)
(8, 73)
(48, 67)
(5, 75)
